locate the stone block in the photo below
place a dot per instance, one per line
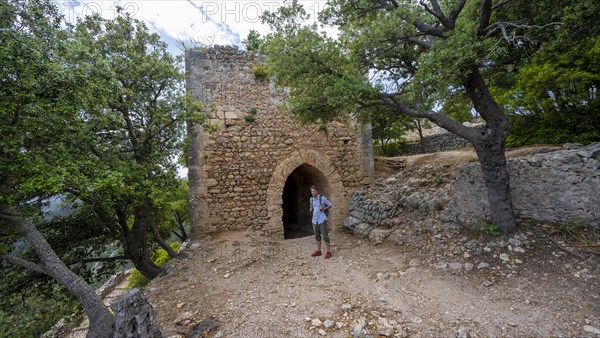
(134, 316)
(351, 222)
(362, 230)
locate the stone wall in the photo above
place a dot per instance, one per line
(440, 141)
(556, 187)
(238, 171)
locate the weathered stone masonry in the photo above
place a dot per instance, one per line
(257, 174)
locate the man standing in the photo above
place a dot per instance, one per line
(318, 206)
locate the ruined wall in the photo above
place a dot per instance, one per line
(443, 140)
(237, 171)
(556, 187)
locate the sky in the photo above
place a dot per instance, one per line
(222, 22)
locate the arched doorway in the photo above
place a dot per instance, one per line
(296, 193)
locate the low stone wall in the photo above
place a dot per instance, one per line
(557, 187)
(397, 207)
(441, 141)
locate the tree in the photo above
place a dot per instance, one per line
(387, 127)
(554, 97)
(253, 41)
(136, 117)
(388, 53)
(172, 210)
(37, 110)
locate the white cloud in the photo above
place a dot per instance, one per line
(222, 22)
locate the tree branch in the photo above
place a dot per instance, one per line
(428, 29)
(500, 4)
(438, 14)
(16, 260)
(458, 7)
(421, 43)
(502, 26)
(484, 16)
(441, 120)
(103, 259)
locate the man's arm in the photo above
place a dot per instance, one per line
(327, 204)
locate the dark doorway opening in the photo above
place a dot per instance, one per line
(296, 194)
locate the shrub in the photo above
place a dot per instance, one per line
(250, 118)
(377, 150)
(392, 149)
(159, 257)
(260, 72)
(253, 110)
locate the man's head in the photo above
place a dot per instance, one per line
(314, 190)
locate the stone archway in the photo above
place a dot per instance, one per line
(296, 191)
(298, 166)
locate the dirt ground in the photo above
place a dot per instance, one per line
(255, 286)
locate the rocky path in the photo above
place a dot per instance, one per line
(253, 286)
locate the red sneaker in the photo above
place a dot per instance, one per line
(328, 255)
(316, 253)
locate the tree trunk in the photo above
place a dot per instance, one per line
(156, 233)
(101, 320)
(183, 236)
(497, 182)
(136, 245)
(419, 129)
(489, 145)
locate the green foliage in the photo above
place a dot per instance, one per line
(553, 98)
(254, 42)
(260, 72)
(35, 310)
(553, 94)
(250, 118)
(571, 231)
(211, 128)
(485, 227)
(458, 106)
(159, 257)
(392, 149)
(171, 208)
(473, 160)
(323, 128)
(94, 114)
(389, 149)
(136, 280)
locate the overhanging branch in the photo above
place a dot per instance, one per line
(441, 120)
(16, 260)
(103, 259)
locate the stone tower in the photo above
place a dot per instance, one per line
(253, 165)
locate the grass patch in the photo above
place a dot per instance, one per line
(485, 227)
(571, 231)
